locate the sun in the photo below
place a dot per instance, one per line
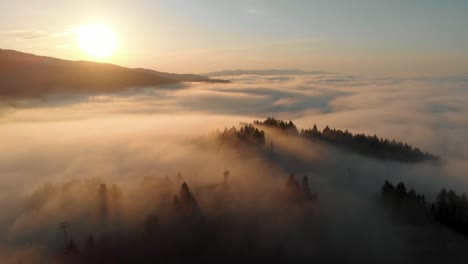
(97, 41)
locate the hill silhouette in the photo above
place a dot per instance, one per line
(365, 145)
(24, 75)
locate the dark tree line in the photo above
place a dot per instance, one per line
(449, 209)
(367, 145)
(405, 206)
(246, 134)
(187, 229)
(288, 127)
(299, 192)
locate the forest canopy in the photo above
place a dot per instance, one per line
(371, 146)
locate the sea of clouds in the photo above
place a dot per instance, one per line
(426, 112)
(141, 132)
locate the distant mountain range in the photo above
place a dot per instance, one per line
(25, 75)
(263, 72)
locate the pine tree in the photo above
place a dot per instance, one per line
(189, 204)
(71, 249)
(179, 180)
(291, 185)
(89, 246)
(306, 187)
(315, 130)
(103, 204)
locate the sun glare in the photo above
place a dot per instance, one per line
(97, 41)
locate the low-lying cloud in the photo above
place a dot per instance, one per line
(123, 137)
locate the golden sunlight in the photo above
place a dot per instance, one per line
(97, 41)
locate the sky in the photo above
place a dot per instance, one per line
(367, 37)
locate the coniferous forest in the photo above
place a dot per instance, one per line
(362, 144)
(261, 218)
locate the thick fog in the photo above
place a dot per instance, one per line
(56, 151)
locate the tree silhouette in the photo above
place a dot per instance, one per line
(449, 209)
(64, 226)
(406, 206)
(71, 249)
(247, 134)
(292, 186)
(89, 245)
(103, 205)
(306, 187)
(360, 143)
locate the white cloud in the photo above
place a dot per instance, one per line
(31, 34)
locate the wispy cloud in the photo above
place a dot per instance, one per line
(31, 34)
(395, 108)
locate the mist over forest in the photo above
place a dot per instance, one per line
(275, 167)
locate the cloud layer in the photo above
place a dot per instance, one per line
(123, 137)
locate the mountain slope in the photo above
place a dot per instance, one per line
(26, 75)
(183, 77)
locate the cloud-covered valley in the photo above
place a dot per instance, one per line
(427, 112)
(123, 137)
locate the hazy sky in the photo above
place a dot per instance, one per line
(394, 37)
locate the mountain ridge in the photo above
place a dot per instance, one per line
(24, 75)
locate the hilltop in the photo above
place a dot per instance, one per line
(24, 75)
